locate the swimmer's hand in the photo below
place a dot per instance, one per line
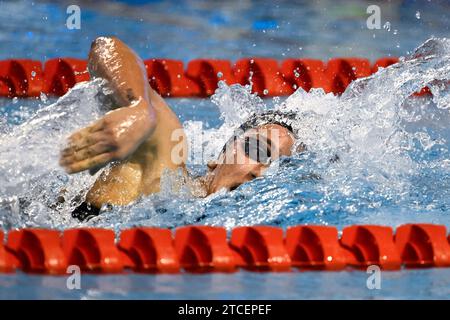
(114, 137)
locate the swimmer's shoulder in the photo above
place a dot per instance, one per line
(169, 138)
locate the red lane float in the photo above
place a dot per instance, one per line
(342, 71)
(20, 78)
(38, 250)
(261, 248)
(423, 245)
(204, 248)
(383, 63)
(8, 262)
(61, 74)
(208, 72)
(386, 62)
(92, 250)
(423, 92)
(371, 245)
(315, 247)
(167, 77)
(306, 73)
(149, 250)
(25, 78)
(264, 74)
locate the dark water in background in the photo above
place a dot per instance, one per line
(222, 29)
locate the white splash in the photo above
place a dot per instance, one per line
(386, 141)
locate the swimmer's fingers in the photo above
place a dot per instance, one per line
(90, 148)
(96, 126)
(86, 153)
(95, 162)
(80, 136)
(82, 142)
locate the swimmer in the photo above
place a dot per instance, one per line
(135, 137)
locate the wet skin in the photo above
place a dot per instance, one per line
(235, 167)
(136, 137)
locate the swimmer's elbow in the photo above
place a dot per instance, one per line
(102, 49)
(102, 42)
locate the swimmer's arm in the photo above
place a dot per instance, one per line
(120, 132)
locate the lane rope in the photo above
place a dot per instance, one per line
(170, 78)
(211, 249)
(204, 248)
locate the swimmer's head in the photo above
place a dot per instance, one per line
(258, 142)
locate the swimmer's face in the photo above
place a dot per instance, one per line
(248, 155)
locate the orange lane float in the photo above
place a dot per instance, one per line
(170, 78)
(21, 78)
(8, 262)
(167, 77)
(265, 76)
(149, 250)
(306, 73)
(38, 250)
(204, 248)
(342, 71)
(61, 74)
(383, 63)
(199, 249)
(208, 72)
(371, 245)
(92, 249)
(261, 248)
(423, 245)
(315, 247)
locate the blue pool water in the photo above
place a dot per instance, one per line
(394, 158)
(411, 285)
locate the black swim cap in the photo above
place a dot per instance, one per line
(284, 119)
